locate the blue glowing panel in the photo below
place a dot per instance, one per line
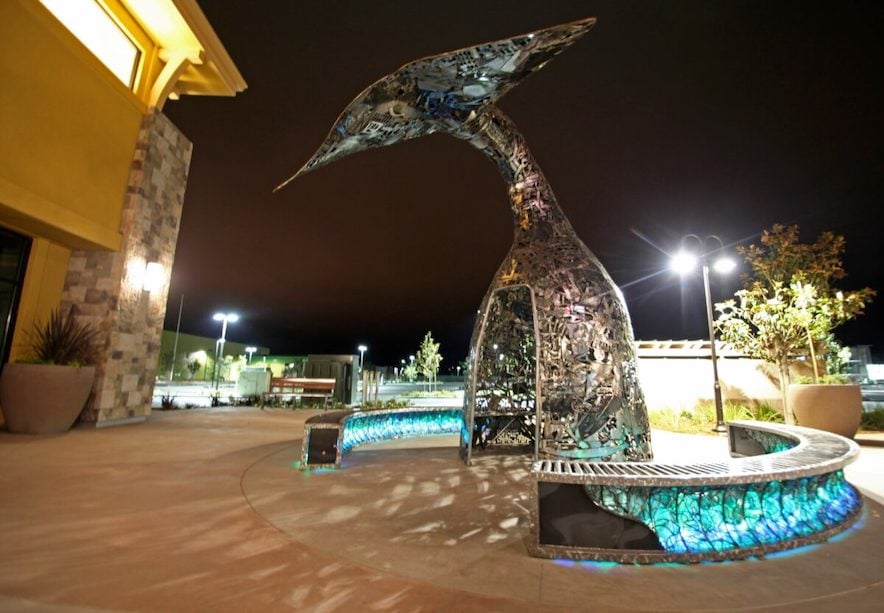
(374, 427)
(700, 519)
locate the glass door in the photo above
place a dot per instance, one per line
(14, 250)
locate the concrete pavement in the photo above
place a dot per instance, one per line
(204, 510)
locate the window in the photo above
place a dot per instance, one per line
(100, 33)
(14, 250)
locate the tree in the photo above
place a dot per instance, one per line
(192, 367)
(788, 305)
(164, 364)
(428, 358)
(409, 373)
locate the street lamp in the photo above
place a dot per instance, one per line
(250, 351)
(362, 349)
(224, 318)
(684, 262)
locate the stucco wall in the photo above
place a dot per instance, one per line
(68, 129)
(680, 383)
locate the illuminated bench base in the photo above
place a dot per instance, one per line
(748, 506)
(328, 436)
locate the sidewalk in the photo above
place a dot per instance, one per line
(870, 439)
(204, 510)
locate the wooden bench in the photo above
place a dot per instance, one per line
(785, 488)
(300, 387)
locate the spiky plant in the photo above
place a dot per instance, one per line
(65, 341)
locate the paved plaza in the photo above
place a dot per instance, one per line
(205, 510)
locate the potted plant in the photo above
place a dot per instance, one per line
(831, 402)
(47, 394)
(789, 308)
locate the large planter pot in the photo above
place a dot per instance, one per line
(834, 408)
(43, 398)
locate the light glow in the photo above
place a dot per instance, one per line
(99, 33)
(154, 277)
(724, 265)
(683, 262)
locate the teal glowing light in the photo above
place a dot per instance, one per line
(373, 427)
(701, 519)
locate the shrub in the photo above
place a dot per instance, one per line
(833, 379)
(385, 404)
(64, 341)
(873, 420)
(702, 419)
(434, 394)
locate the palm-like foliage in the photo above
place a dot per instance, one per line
(65, 341)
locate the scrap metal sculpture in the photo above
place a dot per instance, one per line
(551, 360)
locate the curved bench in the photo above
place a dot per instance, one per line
(328, 436)
(789, 490)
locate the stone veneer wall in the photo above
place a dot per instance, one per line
(106, 288)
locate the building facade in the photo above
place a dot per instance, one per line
(92, 174)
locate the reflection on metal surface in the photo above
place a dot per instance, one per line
(563, 374)
(753, 516)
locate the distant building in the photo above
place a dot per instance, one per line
(188, 357)
(92, 174)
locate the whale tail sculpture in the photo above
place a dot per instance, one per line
(551, 360)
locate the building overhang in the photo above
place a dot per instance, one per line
(158, 49)
(190, 56)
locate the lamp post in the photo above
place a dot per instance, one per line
(250, 351)
(362, 349)
(224, 318)
(684, 262)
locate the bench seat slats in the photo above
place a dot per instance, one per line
(816, 452)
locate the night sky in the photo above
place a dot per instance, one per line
(668, 118)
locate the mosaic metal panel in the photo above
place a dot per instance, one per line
(353, 428)
(506, 372)
(793, 495)
(376, 426)
(587, 398)
(703, 519)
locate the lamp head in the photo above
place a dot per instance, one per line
(724, 265)
(683, 262)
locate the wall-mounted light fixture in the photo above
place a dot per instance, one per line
(154, 276)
